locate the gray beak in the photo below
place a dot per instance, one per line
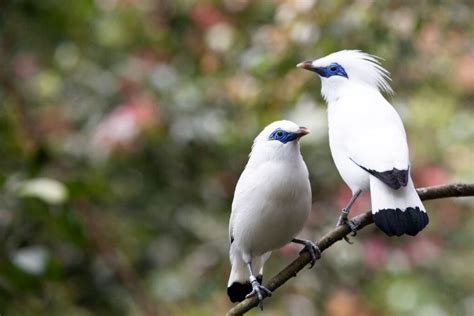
(302, 131)
(308, 65)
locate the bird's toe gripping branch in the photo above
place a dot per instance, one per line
(311, 247)
(259, 290)
(353, 225)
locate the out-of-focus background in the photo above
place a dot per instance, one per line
(125, 124)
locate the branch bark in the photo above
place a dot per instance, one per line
(429, 193)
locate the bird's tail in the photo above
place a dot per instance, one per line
(239, 285)
(397, 212)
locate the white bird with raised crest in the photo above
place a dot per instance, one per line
(272, 201)
(368, 141)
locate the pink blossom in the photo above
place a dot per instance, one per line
(431, 175)
(344, 194)
(25, 65)
(121, 127)
(206, 15)
(423, 249)
(375, 252)
(465, 73)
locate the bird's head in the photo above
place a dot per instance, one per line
(341, 69)
(278, 140)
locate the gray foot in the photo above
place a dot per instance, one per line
(312, 249)
(349, 222)
(260, 291)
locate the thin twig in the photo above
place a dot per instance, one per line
(429, 193)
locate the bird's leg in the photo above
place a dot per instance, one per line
(343, 218)
(311, 248)
(257, 288)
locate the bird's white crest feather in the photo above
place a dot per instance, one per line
(360, 67)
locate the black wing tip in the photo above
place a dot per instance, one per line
(394, 178)
(395, 222)
(237, 291)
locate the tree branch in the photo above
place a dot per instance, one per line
(429, 193)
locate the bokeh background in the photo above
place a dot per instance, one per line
(125, 124)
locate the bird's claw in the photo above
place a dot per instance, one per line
(353, 226)
(348, 240)
(260, 291)
(349, 222)
(313, 250)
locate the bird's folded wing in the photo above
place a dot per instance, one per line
(246, 196)
(382, 150)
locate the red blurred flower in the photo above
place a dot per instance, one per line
(121, 127)
(465, 73)
(290, 250)
(344, 302)
(430, 175)
(206, 15)
(375, 252)
(344, 194)
(25, 65)
(429, 39)
(423, 249)
(450, 217)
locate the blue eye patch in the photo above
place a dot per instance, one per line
(282, 136)
(332, 70)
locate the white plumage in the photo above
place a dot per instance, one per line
(271, 203)
(367, 139)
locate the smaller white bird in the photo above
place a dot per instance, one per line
(367, 140)
(272, 201)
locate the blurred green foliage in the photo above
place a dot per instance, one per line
(125, 124)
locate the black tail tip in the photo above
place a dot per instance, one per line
(237, 291)
(397, 222)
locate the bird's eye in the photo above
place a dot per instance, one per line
(279, 133)
(333, 68)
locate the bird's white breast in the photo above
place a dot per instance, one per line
(340, 134)
(364, 127)
(271, 204)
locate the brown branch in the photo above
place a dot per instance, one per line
(429, 193)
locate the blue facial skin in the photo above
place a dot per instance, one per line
(283, 136)
(331, 70)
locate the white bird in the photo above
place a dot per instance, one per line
(368, 141)
(272, 201)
